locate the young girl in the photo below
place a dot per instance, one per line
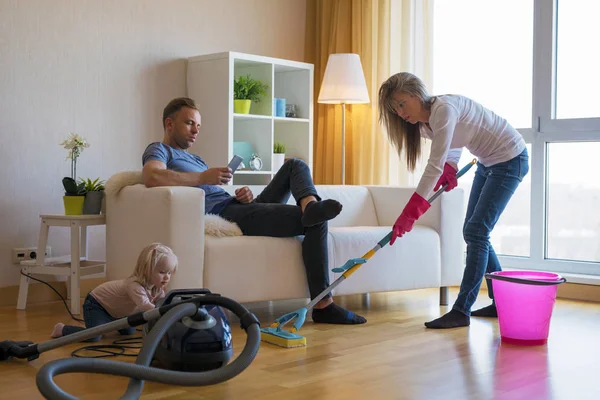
(452, 122)
(117, 299)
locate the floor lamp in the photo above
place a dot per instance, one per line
(343, 83)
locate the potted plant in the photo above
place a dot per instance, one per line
(245, 91)
(74, 196)
(278, 155)
(74, 193)
(94, 193)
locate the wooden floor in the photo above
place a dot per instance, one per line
(391, 357)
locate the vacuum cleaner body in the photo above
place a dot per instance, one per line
(199, 343)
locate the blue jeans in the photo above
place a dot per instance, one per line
(94, 315)
(269, 215)
(493, 187)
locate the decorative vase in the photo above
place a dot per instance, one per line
(93, 202)
(278, 160)
(73, 204)
(241, 106)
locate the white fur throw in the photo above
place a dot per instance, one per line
(214, 225)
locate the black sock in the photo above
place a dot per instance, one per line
(320, 211)
(453, 319)
(489, 311)
(334, 314)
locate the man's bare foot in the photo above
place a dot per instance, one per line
(58, 328)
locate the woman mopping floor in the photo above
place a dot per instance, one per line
(454, 122)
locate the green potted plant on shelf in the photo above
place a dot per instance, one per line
(74, 196)
(245, 91)
(94, 195)
(74, 193)
(278, 155)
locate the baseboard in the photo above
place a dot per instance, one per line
(575, 291)
(40, 293)
(570, 291)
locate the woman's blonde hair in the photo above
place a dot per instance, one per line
(402, 134)
(147, 261)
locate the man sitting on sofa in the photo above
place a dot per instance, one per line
(168, 163)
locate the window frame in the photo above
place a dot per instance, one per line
(547, 129)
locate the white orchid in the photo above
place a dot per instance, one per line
(75, 144)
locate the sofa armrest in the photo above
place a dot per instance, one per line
(137, 216)
(445, 216)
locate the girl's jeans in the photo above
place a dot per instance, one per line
(94, 315)
(492, 189)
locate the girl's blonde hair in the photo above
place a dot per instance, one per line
(147, 261)
(403, 134)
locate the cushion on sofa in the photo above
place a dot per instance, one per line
(248, 267)
(358, 210)
(413, 261)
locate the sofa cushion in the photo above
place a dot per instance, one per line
(247, 267)
(358, 210)
(413, 261)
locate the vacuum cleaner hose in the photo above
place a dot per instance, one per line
(142, 371)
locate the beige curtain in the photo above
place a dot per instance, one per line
(350, 26)
(411, 51)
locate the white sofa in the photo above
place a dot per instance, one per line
(250, 269)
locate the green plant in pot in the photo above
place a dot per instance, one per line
(74, 196)
(245, 91)
(278, 155)
(93, 196)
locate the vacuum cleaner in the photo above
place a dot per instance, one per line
(275, 334)
(187, 338)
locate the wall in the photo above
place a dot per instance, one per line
(105, 69)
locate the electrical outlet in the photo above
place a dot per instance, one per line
(27, 253)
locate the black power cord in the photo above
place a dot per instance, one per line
(55, 291)
(108, 350)
(118, 348)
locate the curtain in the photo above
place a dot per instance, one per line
(411, 51)
(350, 26)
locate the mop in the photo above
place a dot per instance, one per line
(275, 334)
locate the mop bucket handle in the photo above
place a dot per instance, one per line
(525, 281)
(460, 173)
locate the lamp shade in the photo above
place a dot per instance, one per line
(344, 80)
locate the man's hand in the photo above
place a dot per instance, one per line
(216, 176)
(244, 195)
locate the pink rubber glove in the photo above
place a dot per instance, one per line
(413, 210)
(449, 177)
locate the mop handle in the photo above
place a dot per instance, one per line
(388, 237)
(379, 245)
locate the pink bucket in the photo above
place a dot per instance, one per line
(525, 300)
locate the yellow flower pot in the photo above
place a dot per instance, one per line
(241, 106)
(73, 205)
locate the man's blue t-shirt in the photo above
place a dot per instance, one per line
(216, 199)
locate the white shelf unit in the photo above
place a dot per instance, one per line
(210, 83)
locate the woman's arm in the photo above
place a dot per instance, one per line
(442, 125)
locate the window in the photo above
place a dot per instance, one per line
(492, 52)
(573, 220)
(577, 85)
(479, 54)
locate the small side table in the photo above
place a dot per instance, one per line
(74, 266)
